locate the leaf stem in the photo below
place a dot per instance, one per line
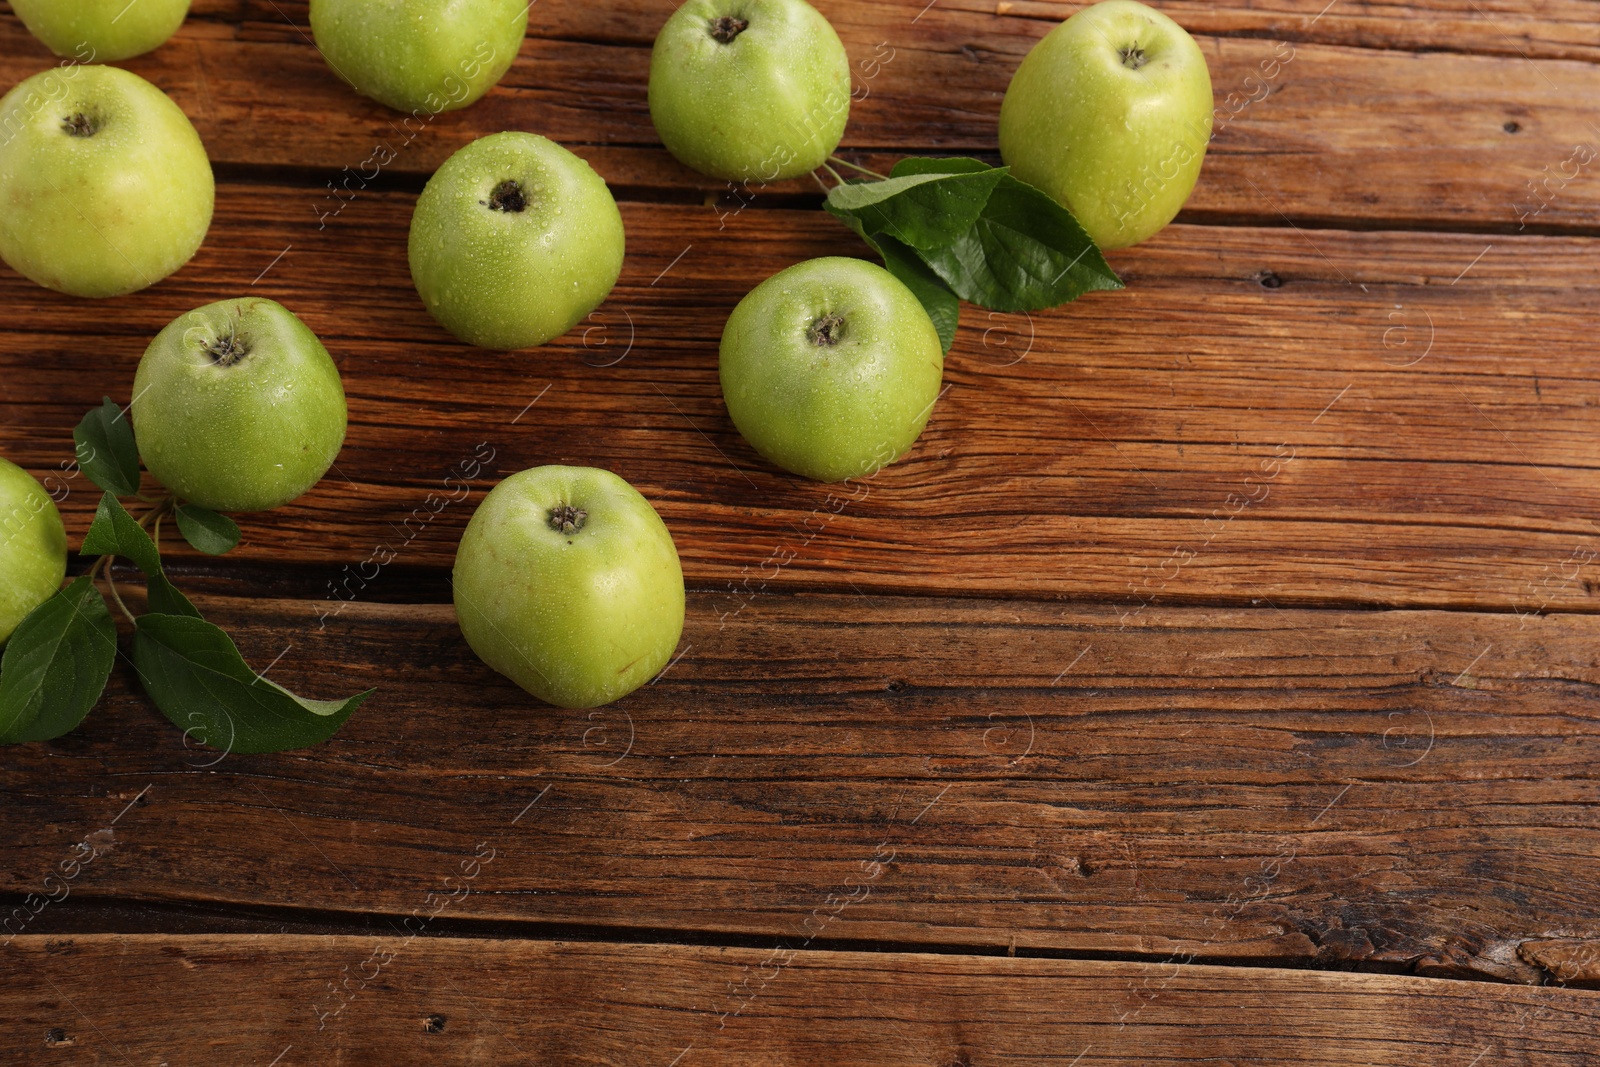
(836, 175)
(870, 173)
(111, 583)
(820, 183)
(101, 568)
(153, 516)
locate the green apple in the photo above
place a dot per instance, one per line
(753, 90)
(1110, 114)
(237, 406)
(513, 241)
(105, 185)
(830, 368)
(101, 30)
(568, 583)
(33, 547)
(422, 56)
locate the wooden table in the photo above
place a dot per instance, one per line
(1218, 681)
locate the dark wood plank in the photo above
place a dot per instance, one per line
(1405, 419)
(1559, 29)
(1334, 133)
(1411, 789)
(1272, 415)
(439, 1001)
(1562, 29)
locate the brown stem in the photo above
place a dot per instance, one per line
(102, 566)
(111, 583)
(163, 507)
(863, 170)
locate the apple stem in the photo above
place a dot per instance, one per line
(869, 173)
(153, 516)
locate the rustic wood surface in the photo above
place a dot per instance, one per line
(1242, 620)
(1364, 432)
(1342, 132)
(442, 1001)
(1402, 787)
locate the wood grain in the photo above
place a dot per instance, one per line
(1408, 789)
(1556, 30)
(1565, 959)
(1559, 29)
(1402, 419)
(1308, 130)
(441, 1001)
(1356, 378)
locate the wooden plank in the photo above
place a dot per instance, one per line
(292, 1000)
(1560, 29)
(1405, 419)
(1314, 131)
(1412, 789)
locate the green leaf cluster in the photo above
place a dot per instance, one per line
(958, 229)
(58, 661)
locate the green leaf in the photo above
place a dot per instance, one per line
(116, 533)
(950, 165)
(977, 233)
(1025, 252)
(936, 298)
(107, 454)
(165, 599)
(925, 211)
(941, 304)
(213, 534)
(56, 665)
(195, 675)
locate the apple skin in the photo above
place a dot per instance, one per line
(33, 547)
(520, 274)
(577, 618)
(830, 368)
(238, 407)
(770, 104)
(105, 212)
(1118, 146)
(101, 30)
(421, 56)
